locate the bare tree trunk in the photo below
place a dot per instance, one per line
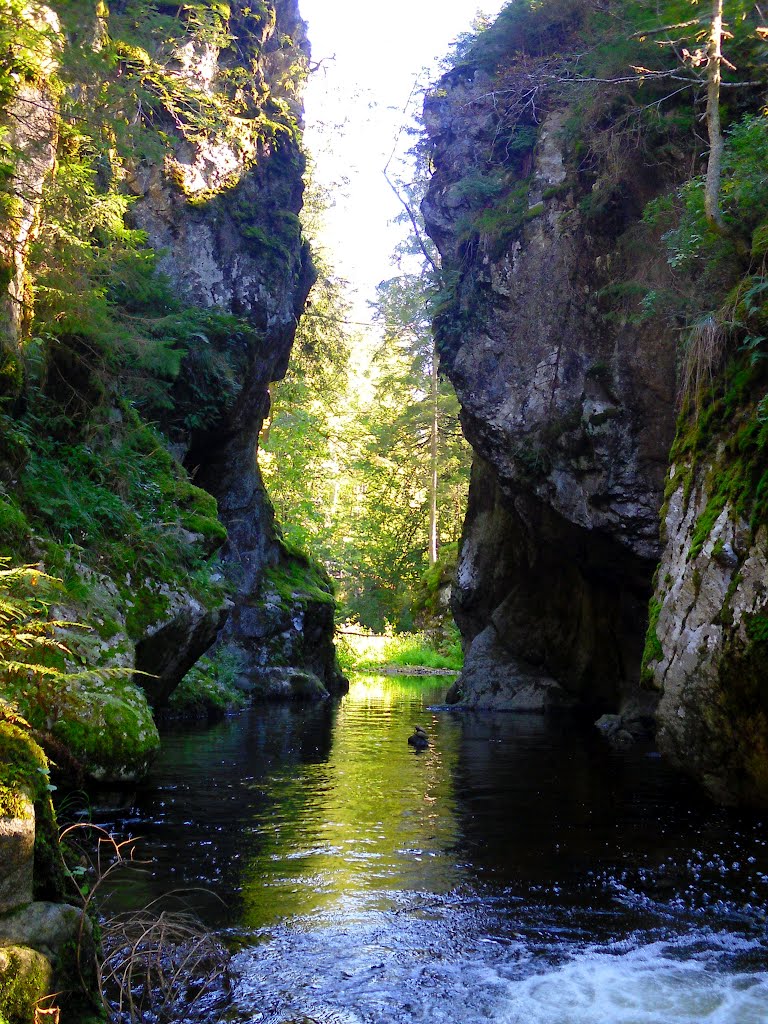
(433, 466)
(714, 164)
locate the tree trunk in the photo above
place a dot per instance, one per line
(714, 164)
(433, 465)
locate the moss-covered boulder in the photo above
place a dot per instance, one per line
(26, 977)
(108, 726)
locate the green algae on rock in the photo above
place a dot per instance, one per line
(26, 977)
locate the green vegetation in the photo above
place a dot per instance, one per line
(367, 652)
(363, 456)
(210, 687)
(653, 651)
(24, 769)
(26, 977)
(629, 78)
(108, 373)
(633, 84)
(99, 714)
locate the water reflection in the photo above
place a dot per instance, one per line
(287, 808)
(374, 817)
(494, 875)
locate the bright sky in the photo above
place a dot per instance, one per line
(354, 110)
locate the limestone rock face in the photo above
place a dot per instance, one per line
(707, 650)
(567, 403)
(224, 215)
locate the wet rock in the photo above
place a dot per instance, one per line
(17, 852)
(494, 678)
(612, 728)
(26, 976)
(278, 683)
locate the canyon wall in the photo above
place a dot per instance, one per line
(154, 270)
(590, 319)
(568, 403)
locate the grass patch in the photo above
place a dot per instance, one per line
(359, 652)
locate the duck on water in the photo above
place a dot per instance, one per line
(419, 738)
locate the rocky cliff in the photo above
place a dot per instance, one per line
(584, 293)
(708, 630)
(155, 270)
(567, 397)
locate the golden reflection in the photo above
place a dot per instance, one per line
(375, 816)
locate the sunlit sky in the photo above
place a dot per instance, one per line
(371, 55)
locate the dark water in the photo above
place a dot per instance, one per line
(516, 871)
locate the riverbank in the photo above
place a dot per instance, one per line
(418, 653)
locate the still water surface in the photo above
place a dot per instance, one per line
(516, 871)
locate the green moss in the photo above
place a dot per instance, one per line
(210, 687)
(653, 651)
(26, 977)
(757, 627)
(724, 448)
(434, 579)
(298, 580)
(109, 727)
(148, 606)
(499, 223)
(553, 191)
(23, 766)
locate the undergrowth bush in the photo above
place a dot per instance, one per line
(359, 651)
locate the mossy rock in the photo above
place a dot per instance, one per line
(108, 726)
(23, 768)
(105, 723)
(26, 977)
(298, 580)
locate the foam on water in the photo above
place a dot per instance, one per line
(443, 967)
(658, 983)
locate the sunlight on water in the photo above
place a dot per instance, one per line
(516, 871)
(371, 811)
(661, 983)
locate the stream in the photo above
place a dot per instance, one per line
(516, 871)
